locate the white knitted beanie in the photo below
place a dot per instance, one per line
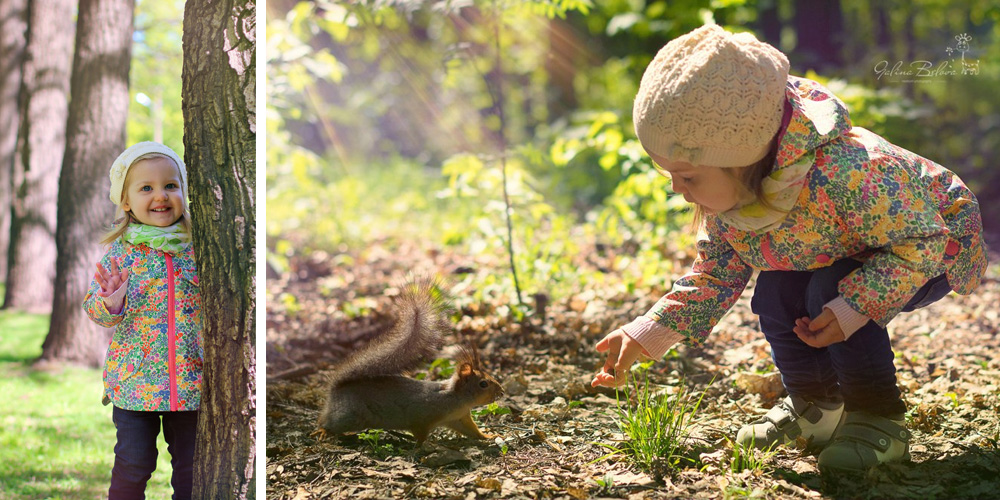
(712, 98)
(119, 169)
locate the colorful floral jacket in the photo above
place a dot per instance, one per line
(907, 218)
(154, 361)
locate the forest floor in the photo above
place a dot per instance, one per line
(554, 438)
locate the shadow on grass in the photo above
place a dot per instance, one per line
(6, 357)
(970, 474)
(89, 481)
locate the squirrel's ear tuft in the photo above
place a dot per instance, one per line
(465, 369)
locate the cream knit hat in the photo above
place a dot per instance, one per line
(711, 98)
(119, 169)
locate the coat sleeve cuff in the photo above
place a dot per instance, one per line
(114, 302)
(655, 338)
(849, 319)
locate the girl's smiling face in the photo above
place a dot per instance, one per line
(711, 188)
(153, 192)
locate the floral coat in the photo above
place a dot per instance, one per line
(907, 218)
(154, 361)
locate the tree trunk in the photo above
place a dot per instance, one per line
(820, 31)
(95, 135)
(769, 21)
(560, 66)
(13, 25)
(31, 262)
(218, 100)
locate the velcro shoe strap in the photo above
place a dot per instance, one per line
(874, 431)
(883, 424)
(812, 413)
(784, 419)
(779, 416)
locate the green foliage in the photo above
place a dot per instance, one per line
(740, 489)
(57, 441)
(441, 368)
(542, 244)
(155, 76)
(656, 426)
(492, 409)
(371, 437)
(382, 122)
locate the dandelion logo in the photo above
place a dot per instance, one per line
(923, 71)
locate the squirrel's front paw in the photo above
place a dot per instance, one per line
(318, 434)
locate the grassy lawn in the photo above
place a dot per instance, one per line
(56, 439)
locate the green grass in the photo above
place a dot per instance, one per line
(656, 426)
(56, 439)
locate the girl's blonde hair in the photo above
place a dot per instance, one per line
(123, 218)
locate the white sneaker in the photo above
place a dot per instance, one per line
(793, 420)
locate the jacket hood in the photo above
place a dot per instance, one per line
(818, 117)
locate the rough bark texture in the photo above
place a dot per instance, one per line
(41, 139)
(218, 100)
(13, 25)
(95, 135)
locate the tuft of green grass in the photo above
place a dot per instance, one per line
(750, 457)
(656, 426)
(56, 439)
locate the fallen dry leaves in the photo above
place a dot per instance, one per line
(549, 446)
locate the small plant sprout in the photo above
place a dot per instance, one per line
(607, 482)
(656, 427)
(492, 409)
(372, 437)
(954, 399)
(502, 443)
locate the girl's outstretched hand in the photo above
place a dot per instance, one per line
(622, 352)
(819, 332)
(110, 279)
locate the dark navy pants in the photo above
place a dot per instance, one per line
(859, 371)
(135, 451)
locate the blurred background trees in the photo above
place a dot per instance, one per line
(382, 121)
(380, 115)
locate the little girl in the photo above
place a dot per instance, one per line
(146, 286)
(845, 229)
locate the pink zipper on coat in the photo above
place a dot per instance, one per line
(171, 334)
(765, 248)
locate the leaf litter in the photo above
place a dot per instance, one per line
(550, 443)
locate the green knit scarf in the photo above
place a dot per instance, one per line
(170, 239)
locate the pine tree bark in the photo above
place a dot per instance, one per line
(41, 139)
(95, 135)
(218, 101)
(13, 25)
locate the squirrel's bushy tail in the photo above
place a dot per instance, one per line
(421, 317)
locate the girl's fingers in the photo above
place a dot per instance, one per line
(103, 272)
(824, 319)
(623, 363)
(602, 378)
(603, 344)
(114, 266)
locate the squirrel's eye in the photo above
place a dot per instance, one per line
(484, 384)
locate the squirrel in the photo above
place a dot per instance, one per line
(369, 390)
